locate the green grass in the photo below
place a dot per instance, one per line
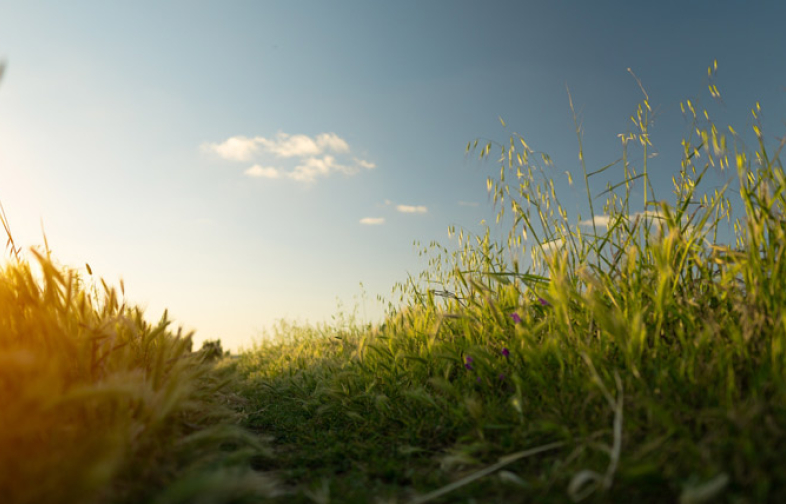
(646, 357)
(640, 358)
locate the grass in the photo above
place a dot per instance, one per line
(101, 406)
(640, 361)
(643, 360)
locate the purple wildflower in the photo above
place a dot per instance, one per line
(506, 352)
(515, 317)
(543, 302)
(502, 376)
(468, 365)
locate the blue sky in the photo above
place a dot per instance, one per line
(241, 162)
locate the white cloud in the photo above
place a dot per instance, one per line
(312, 157)
(365, 164)
(600, 220)
(372, 221)
(287, 146)
(656, 214)
(237, 148)
(258, 171)
(605, 220)
(553, 245)
(332, 142)
(313, 167)
(411, 209)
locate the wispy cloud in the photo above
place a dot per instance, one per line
(655, 216)
(286, 146)
(262, 172)
(553, 245)
(600, 220)
(372, 221)
(300, 157)
(411, 209)
(236, 148)
(605, 220)
(313, 167)
(365, 164)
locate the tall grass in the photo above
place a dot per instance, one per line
(99, 405)
(642, 360)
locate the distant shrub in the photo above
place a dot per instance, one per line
(212, 350)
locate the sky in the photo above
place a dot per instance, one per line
(238, 163)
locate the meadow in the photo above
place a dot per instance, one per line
(638, 358)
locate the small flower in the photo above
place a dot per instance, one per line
(543, 302)
(468, 365)
(506, 352)
(515, 317)
(502, 376)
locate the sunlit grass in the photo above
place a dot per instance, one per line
(642, 360)
(98, 405)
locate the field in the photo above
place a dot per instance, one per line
(639, 358)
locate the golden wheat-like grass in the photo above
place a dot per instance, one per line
(98, 405)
